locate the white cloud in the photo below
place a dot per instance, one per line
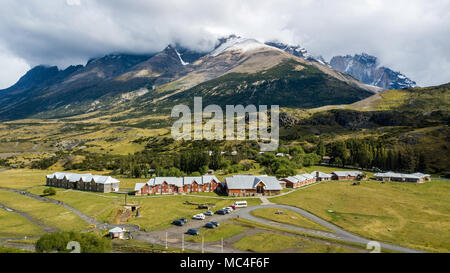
(10, 69)
(73, 2)
(411, 36)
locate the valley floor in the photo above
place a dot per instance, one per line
(416, 216)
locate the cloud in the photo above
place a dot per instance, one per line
(410, 36)
(11, 68)
(73, 2)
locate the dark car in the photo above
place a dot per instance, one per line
(193, 232)
(215, 223)
(210, 225)
(184, 220)
(178, 223)
(221, 212)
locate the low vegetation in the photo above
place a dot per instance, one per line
(275, 242)
(412, 215)
(14, 225)
(287, 217)
(58, 242)
(48, 214)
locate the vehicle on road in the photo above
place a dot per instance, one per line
(240, 204)
(178, 223)
(215, 223)
(228, 209)
(193, 232)
(210, 225)
(221, 212)
(209, 213)
(200, 216)
(184, 220)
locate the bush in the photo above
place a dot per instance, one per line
(50, 191)
(89, 242)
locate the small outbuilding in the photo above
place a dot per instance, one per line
(117, 233)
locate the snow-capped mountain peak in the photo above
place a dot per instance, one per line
(295, 50)
(366, 69)
(236, 43)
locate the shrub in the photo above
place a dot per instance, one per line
(89, 242)
(50, 191)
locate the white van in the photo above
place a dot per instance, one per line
(240, 204)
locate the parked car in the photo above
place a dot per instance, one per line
(210, 225)
(221, 212)
(200, 216)
(228, 209)
(215, 223)
(178, 223)
(193, 232)
(209, 213)
(184, 220)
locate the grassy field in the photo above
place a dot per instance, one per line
(12, 250)
(49, 214)
(287, 217)
(159, 212)
(156, 211)
(225, 230)
(102, 207)
(14, 225)
(132, 246)
(22, 178)
(274, 242)
(411, 215)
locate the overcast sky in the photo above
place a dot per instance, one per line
(411, 36)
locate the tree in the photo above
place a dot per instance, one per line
(204, 169)
(320, 150)
(137, 172)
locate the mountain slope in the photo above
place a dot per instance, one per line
(288, 84)
(238, 70)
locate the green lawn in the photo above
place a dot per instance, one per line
(156, 211)
(14, 225)
(132, 246)
(159, 212)
(274, 242)
(22, 178)
(12, 250)
(412, 215)
(287, 217)
(102, 207)
(225, 230)
(49, 214)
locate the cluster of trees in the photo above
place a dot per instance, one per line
(284, 166)
(199, 156)
(58, 241)
(196, 158)
(371, 152)
(44, 163)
